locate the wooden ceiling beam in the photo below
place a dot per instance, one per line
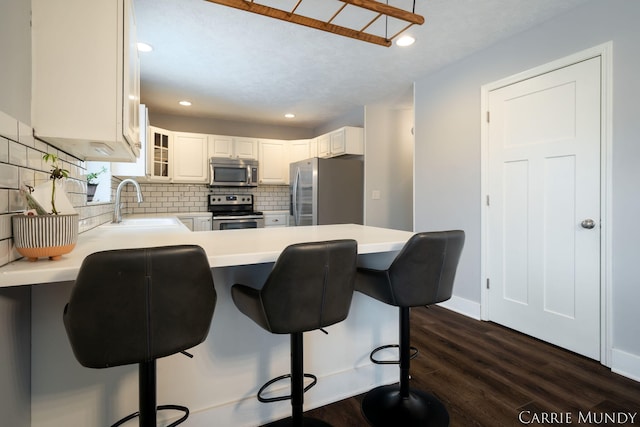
(385, 9)
(250, 6)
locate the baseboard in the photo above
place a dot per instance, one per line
(463, 306)
(330, 388)
(625, 364)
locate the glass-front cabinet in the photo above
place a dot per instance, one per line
(159, 154)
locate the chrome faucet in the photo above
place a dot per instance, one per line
(117, 214)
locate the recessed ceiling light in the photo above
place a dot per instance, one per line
(185, 103)
(405, 41)
(289, 115)
(143, 47)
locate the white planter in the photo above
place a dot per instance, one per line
(45, 236)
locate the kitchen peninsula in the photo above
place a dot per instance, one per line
(220, 383)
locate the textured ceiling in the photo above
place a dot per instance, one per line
(240, 66)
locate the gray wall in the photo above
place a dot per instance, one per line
(253, 130)
(388, 163)
(354, 118)
(227, 127)
(15, 303)
(447, 109)
(15, 51)
(15, 348)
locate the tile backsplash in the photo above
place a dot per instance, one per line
(164, 197)
(21, 164)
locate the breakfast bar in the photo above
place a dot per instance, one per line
(220, 382)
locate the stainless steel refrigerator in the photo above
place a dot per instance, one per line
(326, 191)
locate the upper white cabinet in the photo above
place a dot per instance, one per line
(300, 150)
(324, 145)
(190, 157)
(139, 167)
(346, 140)
(85, 80)
(274, 162)
(160, 150)
(233, 147)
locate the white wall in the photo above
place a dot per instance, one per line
(447, 153)
(389, 165)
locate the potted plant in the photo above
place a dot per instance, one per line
(41, 232)
(92, 183)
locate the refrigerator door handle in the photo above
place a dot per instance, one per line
(294, 202)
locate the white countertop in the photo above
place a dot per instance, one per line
(224, 247)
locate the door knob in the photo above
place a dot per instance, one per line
(588, 223)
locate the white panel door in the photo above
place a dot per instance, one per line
(544, 214)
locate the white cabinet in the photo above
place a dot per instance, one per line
(189, 158)
(324, 145)
(139, 167)
(85, 77)
(276, 219)
(233, 147)
(299, 150)
(274, 162)
(201, 223)
(159, 145)
(196, 222)
(346, 140)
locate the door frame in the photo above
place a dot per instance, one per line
(604, 51)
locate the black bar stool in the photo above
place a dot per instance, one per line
(421, 274)
(137, 305)
(310, 287)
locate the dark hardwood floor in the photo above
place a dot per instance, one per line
(486, 375)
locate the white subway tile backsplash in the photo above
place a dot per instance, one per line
(4, 150)
(25, 134)
(4, 201)
(9, 176)
(5, 226)
(21, 163)
(5, 251)
(26, 177)
(8, 126)
(17, 153)
(34, 158)
(16, 201)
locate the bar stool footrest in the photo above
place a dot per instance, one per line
(160, 408)
(287, 397)
(307, 422)
(414, 354)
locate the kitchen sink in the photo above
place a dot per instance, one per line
(144, 222)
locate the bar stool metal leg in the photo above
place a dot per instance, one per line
(297, 418)
(399, 405)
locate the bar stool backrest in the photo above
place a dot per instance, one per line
(424, 270)
(310, 287)
(135, 305)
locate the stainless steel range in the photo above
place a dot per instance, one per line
(233, 211)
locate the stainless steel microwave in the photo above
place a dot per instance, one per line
(225, 172)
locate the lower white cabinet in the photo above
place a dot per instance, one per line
(196, 222)
(276, 218)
